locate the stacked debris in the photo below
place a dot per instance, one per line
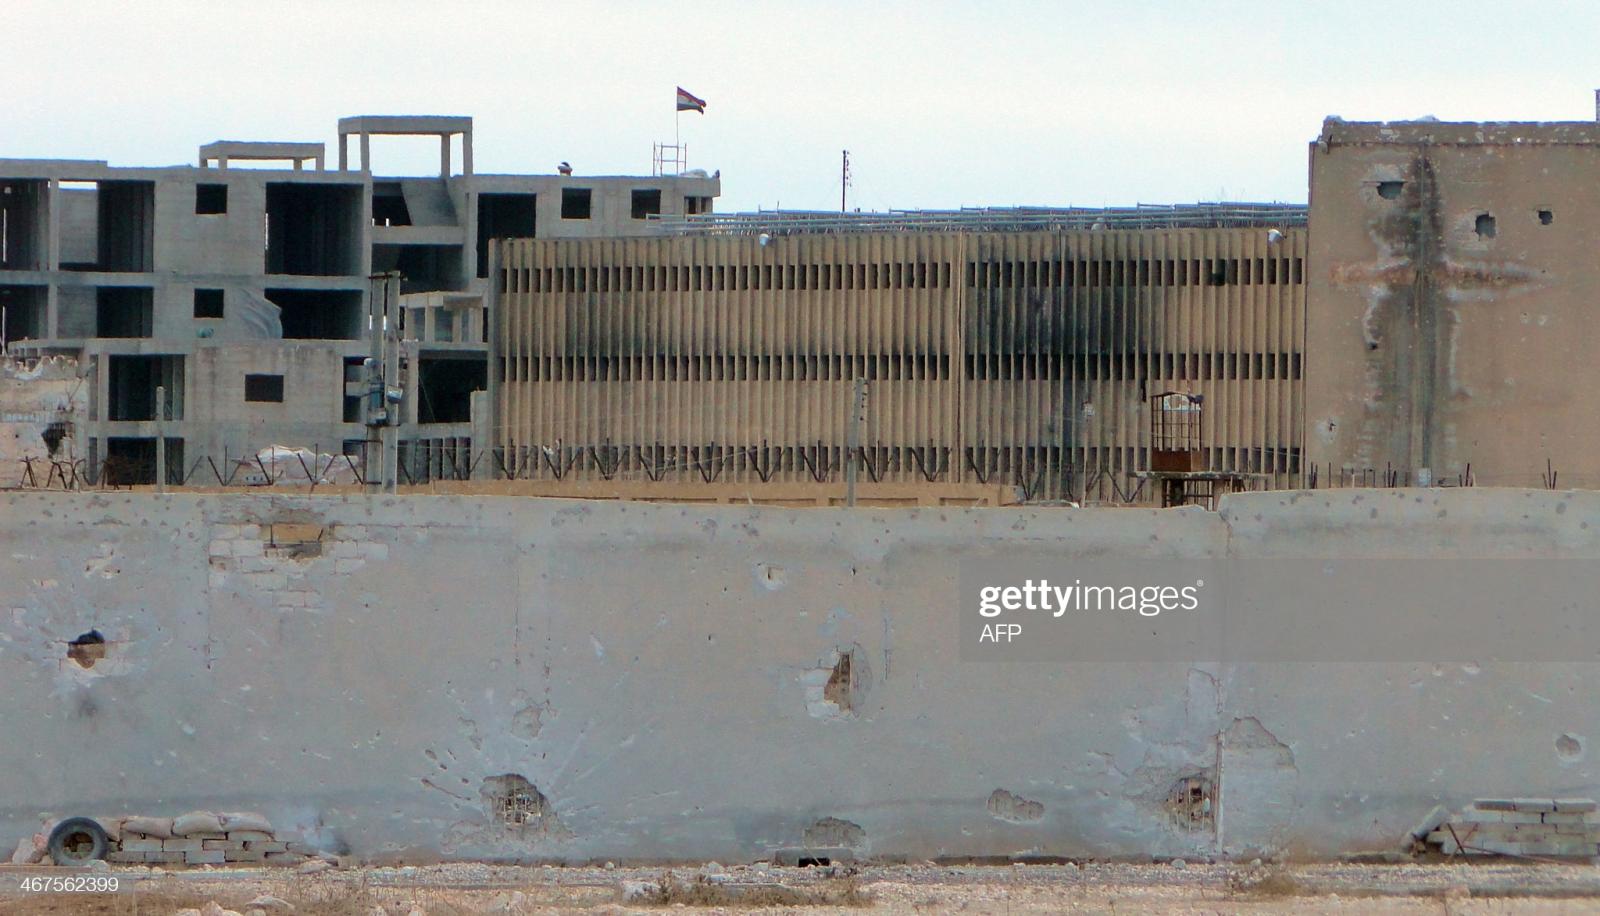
(1556, 827)
(206, 838)
(196, 838)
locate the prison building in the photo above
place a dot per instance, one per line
(1025, 358)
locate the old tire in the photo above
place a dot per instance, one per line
(77, 841)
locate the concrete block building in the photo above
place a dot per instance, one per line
(1452, 301)
(244, 293)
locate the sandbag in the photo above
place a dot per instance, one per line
(245, 820)
(196, 822)
(158, 827)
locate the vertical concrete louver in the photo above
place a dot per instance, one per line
(1020, 357)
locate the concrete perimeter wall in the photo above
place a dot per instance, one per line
(662, 675)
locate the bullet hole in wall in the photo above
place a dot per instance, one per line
(1546, 217)
(515, 803)
(87, 649)
(837, 690)
(833, 831)
(54, 433)
(836, 687)
(1484, 226)
(1569, 747)
(1190, 803)
(1390, 190)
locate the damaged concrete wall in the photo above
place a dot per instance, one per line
(43, 404)
(458, 676)
(1450, 299)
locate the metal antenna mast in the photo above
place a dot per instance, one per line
(844, 178)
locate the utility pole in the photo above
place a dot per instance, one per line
(844, 178)
(853, 440)
(382, 370)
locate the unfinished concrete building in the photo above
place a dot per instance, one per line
(1025, 357)
(243, 294)
(1451, 302)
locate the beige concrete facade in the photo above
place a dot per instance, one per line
(1018, 358)
(1451, 302)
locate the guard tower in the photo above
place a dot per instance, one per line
(1178, 456)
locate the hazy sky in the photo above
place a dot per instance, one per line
(941, 104)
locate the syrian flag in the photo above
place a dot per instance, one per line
(688, 101)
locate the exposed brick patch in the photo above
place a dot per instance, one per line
(273, 560)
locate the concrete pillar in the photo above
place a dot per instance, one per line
(366, 152)
(161, 439)
(484, 419)
(444, 155)
(479, 455)
(344, 152)
(466, 151)
(52, 241)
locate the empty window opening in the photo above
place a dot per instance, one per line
(423, 268)
(389, 204)
(23, 313)
(210, 199)
(445, 386)
(23, 224)
(503, 216)
(696, 205)
(646, 204)
(124, 311)
(132, 462)
(126, 225)
(132, 382)
(355, 380)
(107, 225)
(313, 229)
(264, 388)
(1546, 217)
(1484, 226)
(1390, 190)
(319, 314)
(208, 303)
(87, 649)
(813, 862)
(576, 203)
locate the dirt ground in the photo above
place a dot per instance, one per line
(467, 888)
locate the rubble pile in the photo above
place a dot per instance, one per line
(196, 838)
(1556, 827)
